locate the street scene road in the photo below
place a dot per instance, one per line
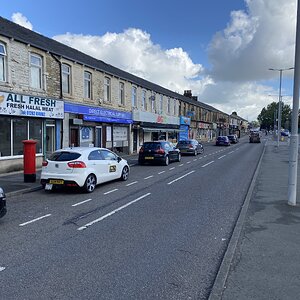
(160, 235)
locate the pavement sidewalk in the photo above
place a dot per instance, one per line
(262, 260)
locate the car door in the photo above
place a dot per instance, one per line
(171, 150)
(113, 166)
(99, 165)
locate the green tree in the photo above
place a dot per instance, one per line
(268, 116)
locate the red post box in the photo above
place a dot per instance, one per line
(29, 160)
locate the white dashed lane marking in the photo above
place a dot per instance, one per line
(79, 203)
(148, 177)
(208, 164)
(129, 184)
(114, 190)
(181, 177)
(34, 220)
(161, 172)
(172, 168)
(221, 156)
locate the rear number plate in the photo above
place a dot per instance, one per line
(149, 157)
(56, 181)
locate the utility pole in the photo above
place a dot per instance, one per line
(293, 159)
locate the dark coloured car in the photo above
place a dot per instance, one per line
(2, 203)
(254, 137)
(233, 138)
(285, 133)
(158, 151)
(222, 141)
(190, 147)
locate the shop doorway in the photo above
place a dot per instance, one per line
(98, 137)
(74, 137)
(135, 139)
(50, 139)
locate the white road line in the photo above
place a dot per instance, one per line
(208, 164)
(110, 191)
(180, 165)
(195, 159)
(237, 148)
(148, 177)
(181, 177)
(76, 204)
(112, 212)
(205, 155)
(34, 220)
(172, 168)
(230, 152)
(209, 154)
(129, 184)
(161, 172)
(188, 162)
(221, 156)
(2, 269)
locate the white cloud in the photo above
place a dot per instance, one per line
(21, 20)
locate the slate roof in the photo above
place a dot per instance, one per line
(12, 30)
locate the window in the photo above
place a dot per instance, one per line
(107, 89)
(107, 155)
(161, 104)
(174, 107)
(144, 104)
(2, 62)
(35, 71)
(169, 105)
(121, 93)
(133, 97)
(5, 136)
(152, 101)
(66, 78)
(87, 85)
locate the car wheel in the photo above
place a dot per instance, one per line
(125, 173)
(202, 150)
(166, 162)
(90, 183)
(179, 157)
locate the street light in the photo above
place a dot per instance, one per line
(279, 100)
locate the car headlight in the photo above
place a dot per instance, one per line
(2, 194)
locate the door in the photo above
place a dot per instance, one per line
(113, 166)
(135, 139)
(74, 137)
(98, 138)
(50, 139)
(99, 166)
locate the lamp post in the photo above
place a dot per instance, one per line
(279, 101)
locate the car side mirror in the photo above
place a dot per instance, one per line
(119, 159)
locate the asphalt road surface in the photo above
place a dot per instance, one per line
(160, 235)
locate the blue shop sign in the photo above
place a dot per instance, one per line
(185, 120)
(96, 111)
(184, 132)
(106, 119)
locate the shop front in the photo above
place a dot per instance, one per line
(24, 117)
(152, 127)
(96, 126)
(204, 131)
(185, 123)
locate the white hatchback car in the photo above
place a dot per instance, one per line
(82, 167)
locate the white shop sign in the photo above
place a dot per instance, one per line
(30, 106)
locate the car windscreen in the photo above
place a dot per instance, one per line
(64, 156)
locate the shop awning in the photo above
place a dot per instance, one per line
(148, 129)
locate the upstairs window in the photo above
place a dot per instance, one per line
(3, 58)
(87, 85)
(107, 89)
(66, 78)
(144, 104)
(35, 71)
(152, 101)
(169, 105)
(133, 97)
(161, 104)
(121, 93)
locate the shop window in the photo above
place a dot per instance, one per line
(35, 71)
(5, 137)
(3, 62)
(20, 133)
(35, 133)
(133, 97)
(107, 89)
(121, 93)
(87, 85)
(66, 78)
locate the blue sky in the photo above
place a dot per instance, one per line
(220, 49)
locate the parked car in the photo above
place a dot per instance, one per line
(190, 147)
(285, 133)
(254, 137)
(222, 141)
(83, 167)
(233, 138)
(158, 151)
(3, 209)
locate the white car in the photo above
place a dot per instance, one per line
(82, 167)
